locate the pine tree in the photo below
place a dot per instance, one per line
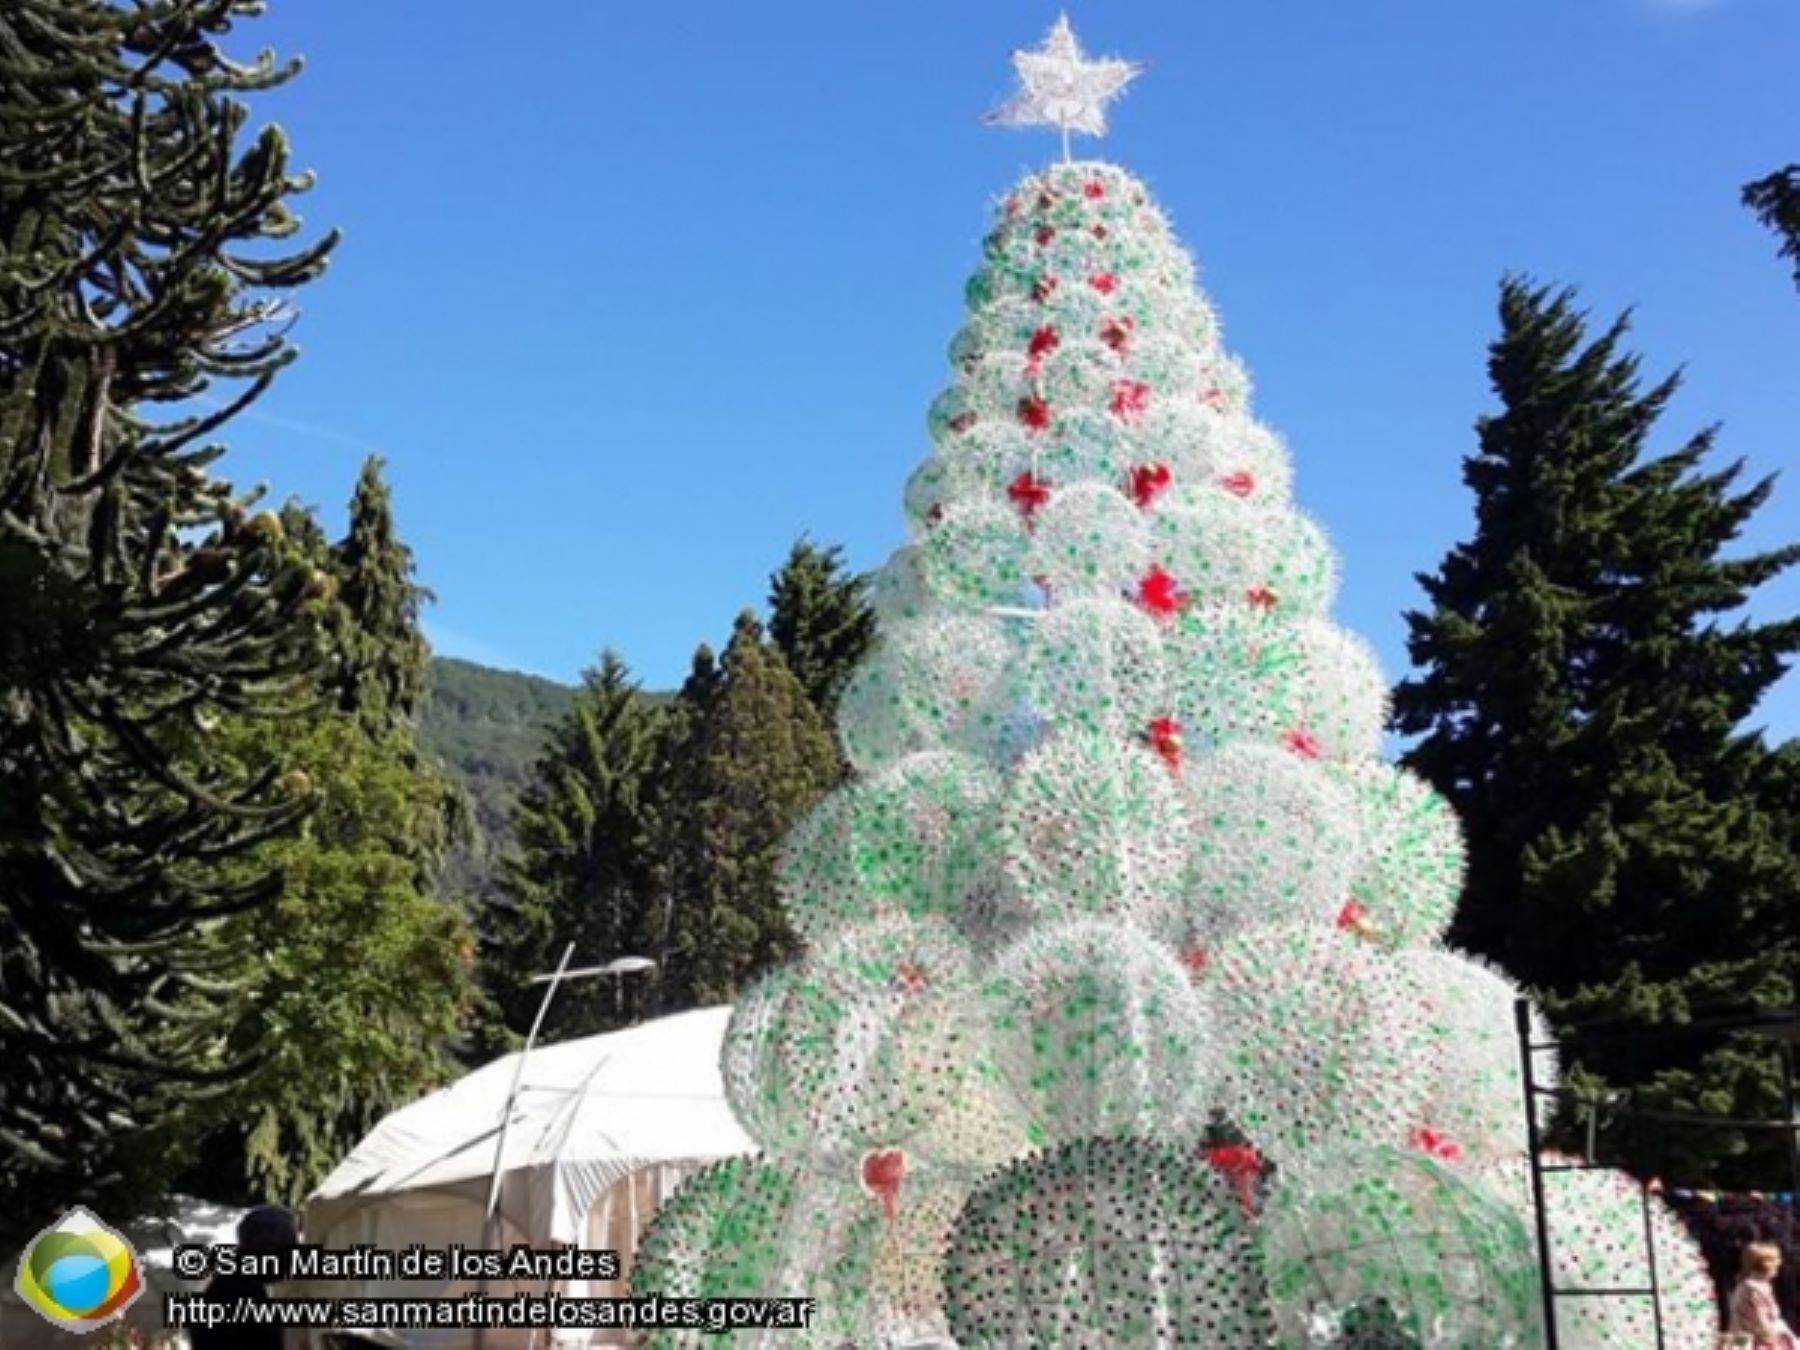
(144, 602)
(582, 872)
(1580, 702)
(744, 756)
(1776, 201)
(385, 665)
(820, 620)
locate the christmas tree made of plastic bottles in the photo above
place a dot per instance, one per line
(1123, 1017)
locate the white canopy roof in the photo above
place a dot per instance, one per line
(588, 1113)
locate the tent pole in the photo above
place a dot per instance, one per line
(506, 1113)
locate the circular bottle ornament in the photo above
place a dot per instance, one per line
(899, 591)
(1340, 700)
(1095, 1030)
(1124, 1242)
(1096, 665)
(857, 1047)
(1329, 1044)
(1412, 871)
(1392, 1248)
(821, 891)
(946, 683)
(1597, 1240)
(973, 557)
(922, 832)
(1250, 462)
(1477, 1086)
(1094, 826)
(1273, 840)
(1236, 673)
(1089, 540)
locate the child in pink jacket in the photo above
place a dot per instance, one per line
(1754, 1312)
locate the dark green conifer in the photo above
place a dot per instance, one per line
(142, 265)
(1581, 699)
(820, 621)
(1776, 201)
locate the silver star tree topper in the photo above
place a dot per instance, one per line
(1059, 87)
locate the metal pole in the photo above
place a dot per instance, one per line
(506, 1112)
(1650, 1257)
(1792, 1117)
(1522, 1017)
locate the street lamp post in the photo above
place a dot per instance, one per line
(618, 967)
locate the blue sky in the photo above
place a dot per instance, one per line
(632, 295)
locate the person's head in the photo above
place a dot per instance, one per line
(268, 1228)
(1760, 1260)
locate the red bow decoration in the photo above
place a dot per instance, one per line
(882, 1172)
(911, 978)
(962, 422)
(1043, 288)
(1303, 743)
(1043, 342)
(1148, 482)
(1106, 283)
(1130, 399)
(1165, 739)
(1214, 397)
(1196, 961)
(1241, 1165)
(1437, 1144)
(1240, 484)
(1261, 597)
(1093, 189)
(1044, 235)
(1099, 231)
(1029, 493)
(1034, 412)
(1160, 595)
(1116, 333)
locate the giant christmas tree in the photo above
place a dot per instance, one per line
(1123, 1018)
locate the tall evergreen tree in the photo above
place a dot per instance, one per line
(386, 660)
(1580, 701)
(141, 263)
(1776, 201)
(820, 621)
(582, 872)
(745, 756)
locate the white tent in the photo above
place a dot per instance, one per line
(602, 1130)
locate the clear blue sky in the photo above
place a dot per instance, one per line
(634, 294)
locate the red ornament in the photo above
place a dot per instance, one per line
(1106, 283)
(935, 514)
(1239, 484)
(1165, 739)
(1043, 288)
(1241, 1165)
(911, 978)
(1438, 1144)
(1098, 231)
(1043, 342)
(883, 1170)
(1214, 397)
(1044, 235)
(1160, 595)
(1196, 961)
(1303, 743)
(1148, 482)
(1130, 399)
(1046, 200)
(1116, 333)
(1261, 597)
(1034, 412)
(1352, 916)
(1093, 189)
(962, 422)
(1029, 493)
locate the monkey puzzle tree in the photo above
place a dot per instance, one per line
(141, 269)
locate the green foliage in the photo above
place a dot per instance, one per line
(744, 756)
(582, 872)
(1579, 702)
(141, 262)
(355, 980)
(1776, 201)
(820, 621)
(382, 678)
